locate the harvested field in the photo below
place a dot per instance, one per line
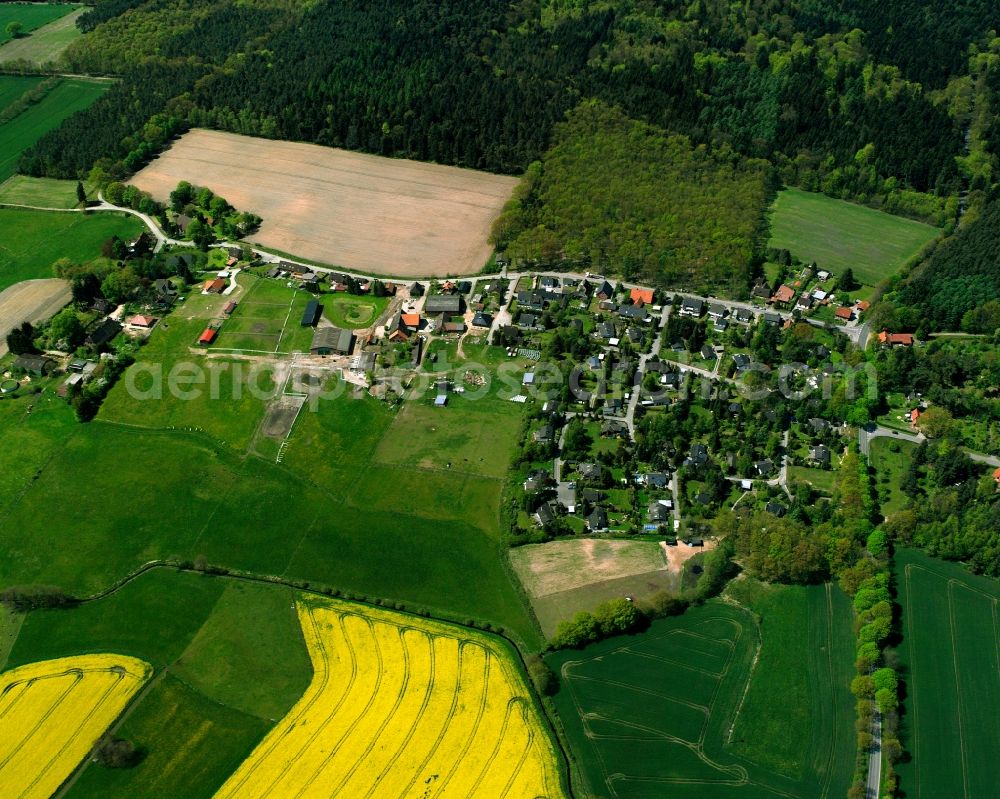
(30, 301)
(53, 713)
(402, 706)
(362, 212)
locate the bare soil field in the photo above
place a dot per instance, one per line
(361, 212)
(30, 301)
(559, 566)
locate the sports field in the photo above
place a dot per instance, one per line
(68, 97)
(402, 706)
(951, 658)
(54, 712)
(677, 710)
(362, 212)
(31, 241)
(31, 16)
(838, 234)
(45, 44)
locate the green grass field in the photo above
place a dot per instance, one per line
(838, 234)
(951, 657)
(13, 86)
(474, 436)
(39, 192)
(31, 241)
(891, 460)
(19, 133)
(668, 712)
(31, 15)
(45, 44)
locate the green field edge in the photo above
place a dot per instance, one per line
(500, 640)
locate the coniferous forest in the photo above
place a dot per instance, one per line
(891, 104)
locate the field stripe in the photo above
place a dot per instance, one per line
(381, 723)
(406, 739)
(42, 772)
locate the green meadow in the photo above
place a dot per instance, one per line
(31, 15)
(718, 702)
(837, 234)
(31, 241)
(950, 656)
(229, 660)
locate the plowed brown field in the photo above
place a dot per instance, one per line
(362, 212)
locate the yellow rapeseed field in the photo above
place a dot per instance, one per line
(52, 713)
(402, 707)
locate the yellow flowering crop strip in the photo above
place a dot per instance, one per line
(402, 707)
(52, 713)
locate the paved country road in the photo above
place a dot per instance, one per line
(874, 781)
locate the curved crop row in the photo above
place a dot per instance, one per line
(52, 713)
(398, 707)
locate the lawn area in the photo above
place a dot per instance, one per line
(949, 654)
(68, 97)
(45, 44)
(652, 714)
(838, 234)
(31, 15)
(13, 86)
(40, 192)
(228, 403)
(31, 241)
(351, 312)
(891, 460)
(820, 479)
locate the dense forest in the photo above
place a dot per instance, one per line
(618, 195)
(483, 85)
(891, 104)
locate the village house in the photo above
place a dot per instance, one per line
(895, 339)
(103, 333)
(640, 297)
(784, 294)
(844, 314)
(692, 306)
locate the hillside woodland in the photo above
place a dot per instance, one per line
(890, 104)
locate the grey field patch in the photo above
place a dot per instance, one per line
(30, 301)
(281, 415)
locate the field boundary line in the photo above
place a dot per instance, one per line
(835, 725)
(913, 676)
(958, 690)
